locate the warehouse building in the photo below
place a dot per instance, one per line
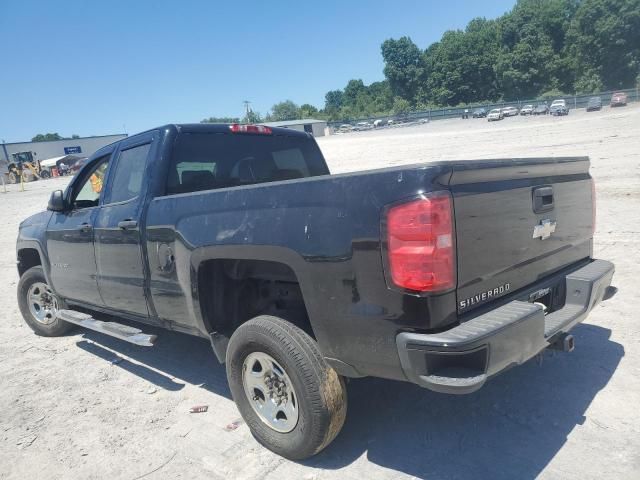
(81, 147)
(318, 128)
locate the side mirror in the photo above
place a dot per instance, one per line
(56, 201)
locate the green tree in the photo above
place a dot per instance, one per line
(403, 67)
(253, 117)
(308, 111)
(400, 106)
(47, 137)
(533, 44)
(286, 110)
(589, 81)
(461, 67)
(353, 89)
(381, 97)
(333, 101)
(604, 39)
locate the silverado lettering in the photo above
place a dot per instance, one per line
(481, 297)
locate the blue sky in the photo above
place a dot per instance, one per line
(100, 67)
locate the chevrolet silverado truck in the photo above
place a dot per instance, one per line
(443, 274)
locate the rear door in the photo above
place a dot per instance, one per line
(119, 255)
(518, 222)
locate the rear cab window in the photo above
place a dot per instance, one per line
(212, 160)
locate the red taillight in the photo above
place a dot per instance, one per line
(420, 244)
(256, 129)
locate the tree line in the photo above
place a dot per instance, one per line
(539, 48)
(48, 137)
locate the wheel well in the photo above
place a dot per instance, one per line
(234, 291)
(27, 258)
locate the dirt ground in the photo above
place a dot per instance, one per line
(87, 406)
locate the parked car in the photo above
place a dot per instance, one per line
(559, 107)
(345, 127)
(495, 114)
(594, 103)
(465, 114)
(479, 113)
(298, 278)
(379, 123)
(618, 99)
(362, 126)
(526, 110)
(541, 109)
(510, 111)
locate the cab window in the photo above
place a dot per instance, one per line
(207, 161)
(89, 193)
(128, 175)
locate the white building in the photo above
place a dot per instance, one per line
(316, 127)
(82, 147)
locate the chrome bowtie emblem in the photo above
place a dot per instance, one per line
(544, 230)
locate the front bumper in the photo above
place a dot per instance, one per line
(461, 359)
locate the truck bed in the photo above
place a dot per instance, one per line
(328, 230)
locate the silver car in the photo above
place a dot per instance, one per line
(495, 114)
(510, 111)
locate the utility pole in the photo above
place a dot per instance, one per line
(247, 110)
(6, 155)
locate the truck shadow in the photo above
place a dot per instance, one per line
(174, 359)
(511, 428)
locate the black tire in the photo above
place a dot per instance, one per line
(320, 391)
(54, 329)
(13, 178)
(44, 174)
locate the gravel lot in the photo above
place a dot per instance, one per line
(86, 406)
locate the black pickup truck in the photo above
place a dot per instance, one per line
(443, 274)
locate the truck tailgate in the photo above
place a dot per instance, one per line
(517, 222)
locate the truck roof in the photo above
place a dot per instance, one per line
(200, 128)
(224, 128)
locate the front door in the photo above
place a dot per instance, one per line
(70, 239)
(119, 255)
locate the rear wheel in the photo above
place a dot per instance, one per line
(39, 304)
(292, 401)
(45, 174)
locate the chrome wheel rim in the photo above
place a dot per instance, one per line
(270, 392)
(43, 304)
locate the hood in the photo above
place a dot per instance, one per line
(41, 218)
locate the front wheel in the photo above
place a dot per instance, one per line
(39, 304)
(293, 402)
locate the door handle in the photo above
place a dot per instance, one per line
(127, 224)
(85, 227)
(542, 199)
